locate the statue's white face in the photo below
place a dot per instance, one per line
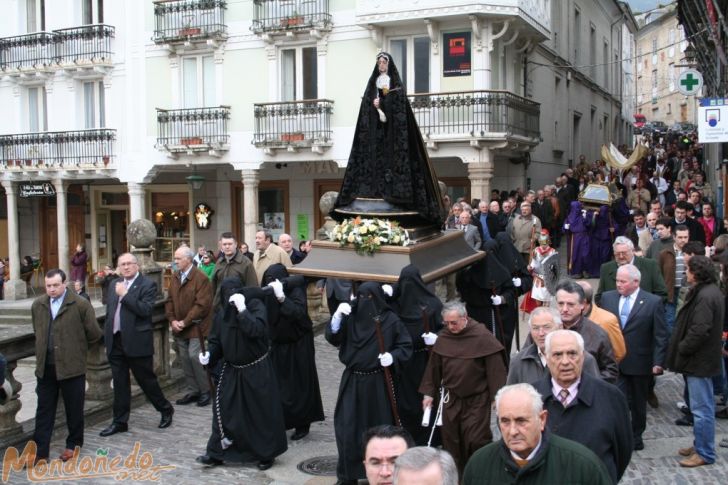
(383, 64)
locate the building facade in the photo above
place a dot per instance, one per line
(244, 112)
(661, 59)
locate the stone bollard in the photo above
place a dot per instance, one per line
(9, 425)
(98, 375)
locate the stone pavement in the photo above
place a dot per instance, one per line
(178, 445)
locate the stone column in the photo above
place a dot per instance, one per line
(98, 374)
(480, 174)
(9, 425)
(250, 204)
(136, 201)
(14, 288)
(62, 224)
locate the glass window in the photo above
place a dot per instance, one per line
(198, 81)
(422, 64)
(35, 15)
(93, 104)
(299, 74)
(92, 12)
(399, 55)
(37, 117)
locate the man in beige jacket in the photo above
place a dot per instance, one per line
(267, 254)
(523, 230)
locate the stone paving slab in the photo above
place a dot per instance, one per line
(180, 444)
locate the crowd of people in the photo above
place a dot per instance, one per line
(571, 405)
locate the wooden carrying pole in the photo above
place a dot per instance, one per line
(388, 381)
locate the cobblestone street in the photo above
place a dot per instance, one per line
(179, 445)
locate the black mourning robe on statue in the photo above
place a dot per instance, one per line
(416, 306)
(293, 353)
(389, 160)
(247, 403)
(478, 283)
(363, 401)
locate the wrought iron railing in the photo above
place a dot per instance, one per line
(288, 123)
(286, 15)
(201, 128)
(189, 19)
(85, 43)
(476, 113)
(27, 51)
(45, 49)
(58, 149)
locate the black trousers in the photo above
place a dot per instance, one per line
(143, 370)
(636, 389)
(74, 394)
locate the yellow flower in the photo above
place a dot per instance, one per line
(350, 238)
(363, 230)
(372, 228)
(376, 240)
(395, 239)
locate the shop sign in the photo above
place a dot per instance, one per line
(39, 189)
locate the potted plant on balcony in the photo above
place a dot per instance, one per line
(191, 140)
(189, 31)
(291, 137)
(292, 20)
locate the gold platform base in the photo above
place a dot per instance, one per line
(435, 257)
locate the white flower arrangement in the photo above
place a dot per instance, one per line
(368, 235)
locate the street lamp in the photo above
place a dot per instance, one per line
(195, 181)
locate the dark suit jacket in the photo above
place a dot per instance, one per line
(652, 280)
(136, 317)
(645, 333)
(493, 222)
(545, 213)
(598, 418)
(696, 229)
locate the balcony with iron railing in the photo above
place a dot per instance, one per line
(291, 125)
(193, 130)
(288, 17)
(58, 150)
(186, 21)
(71, 49)
(476, 116)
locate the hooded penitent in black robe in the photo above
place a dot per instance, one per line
(389, 160)
(416, 306)
(509, 257)
(363, 401)
(476, 284)
(293, 351)
(247, 407)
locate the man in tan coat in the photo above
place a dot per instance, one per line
(523, 230)
(606, 320)
(189, 311)
(268, 254)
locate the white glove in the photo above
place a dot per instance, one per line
(429, 338)
(631, 211)
(496, 299)
(343, 309)
(386, 359)
(277, 289)
(517, 282)
(567, 226)
(583, 213)
(239, 301)
(387, 289)
(204, 358)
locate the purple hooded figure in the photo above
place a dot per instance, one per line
(576, 228)
(601, 240)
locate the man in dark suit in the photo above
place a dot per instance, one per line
(489, 223)
(681, 217)
(128, 335)
(584, 408)
(652, 280)
(642, 318)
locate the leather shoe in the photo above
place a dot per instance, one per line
(166, 420)
(265, 464)
(114, 428)
(686, 451)
(207, 460)
(652, 400)
(204, 399)
(692, 461)
(66, 455)
(300, 434)
(187, 399)
(684, 421)
(722, 414)
(639, 445)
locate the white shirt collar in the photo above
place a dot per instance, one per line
(573, 390)
(530, 455)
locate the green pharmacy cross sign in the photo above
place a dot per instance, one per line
(689, 82)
